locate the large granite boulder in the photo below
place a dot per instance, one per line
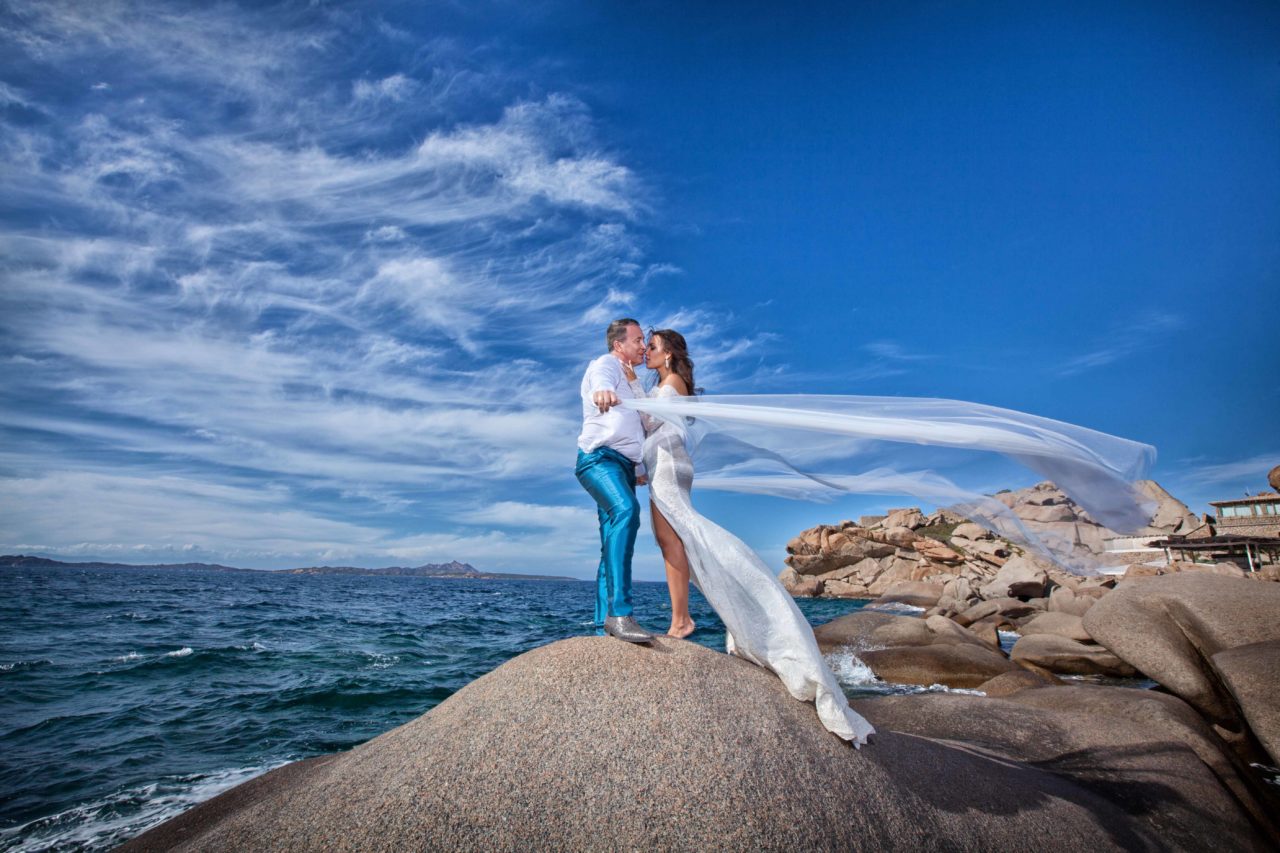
(914, 593)
(1170, 628)
(1018, 578)
(1063, 600)
(949, 664)
(1148, 751)
(1056, 622)
(1252, 674)
(591, 743)
(869, 629)
(1058, 654)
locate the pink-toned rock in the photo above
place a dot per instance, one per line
(1170, 628)
(910, 518)
(947, 631)
(1063, 600)
(958, 665)
(1059, 624)
(960, 589)
(1046, 514)
(1060, 655)
(1008, 683)
(845, 589)
(1008, 608)
(935, 550)
(807, 587)
(972, 531)
(915, 593)
(901, 536)
(1021, 573)
(1252, 674)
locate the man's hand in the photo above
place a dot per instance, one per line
(642, 480)
(604, 400)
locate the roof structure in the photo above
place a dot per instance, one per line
(1265, 497)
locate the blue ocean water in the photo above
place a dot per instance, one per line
(127, 696)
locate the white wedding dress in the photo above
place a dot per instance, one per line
(763, 622)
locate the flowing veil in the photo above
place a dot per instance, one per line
(817, 447)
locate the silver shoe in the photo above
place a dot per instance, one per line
(626, 628)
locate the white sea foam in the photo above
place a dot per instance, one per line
(851, 672)
(129, 657)
(23, 664)
(895, 607)
(111, 820)
(849, 669)
(381, 661)
(180, 653)
(252, 647)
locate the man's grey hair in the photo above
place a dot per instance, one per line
(617, 331)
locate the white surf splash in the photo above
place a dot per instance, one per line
(108, 822)
(855, 675)
(180, 653)
(895, 607)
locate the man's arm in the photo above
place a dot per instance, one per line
(602, 379)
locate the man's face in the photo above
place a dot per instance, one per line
(631, 348)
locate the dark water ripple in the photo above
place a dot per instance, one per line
(127, 696)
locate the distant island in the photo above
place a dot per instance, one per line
(452, 569)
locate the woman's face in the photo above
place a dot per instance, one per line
(656, 354)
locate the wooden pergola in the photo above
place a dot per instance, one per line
(1252, 547)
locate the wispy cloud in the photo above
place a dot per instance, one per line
(247, 317)
(1252, 471)
(1141, 333)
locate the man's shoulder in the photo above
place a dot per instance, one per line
(605, 362)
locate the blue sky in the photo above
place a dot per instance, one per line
(302, 283)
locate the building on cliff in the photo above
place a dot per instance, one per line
(1244, 530)
(1258, 515)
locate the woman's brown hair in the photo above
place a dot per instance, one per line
(675, 347)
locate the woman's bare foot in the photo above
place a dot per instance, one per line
(681, 629)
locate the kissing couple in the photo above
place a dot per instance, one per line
(621, 447)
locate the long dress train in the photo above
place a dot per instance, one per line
(763, 622)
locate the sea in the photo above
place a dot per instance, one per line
(129, 695)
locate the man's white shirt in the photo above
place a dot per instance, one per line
(617, 428)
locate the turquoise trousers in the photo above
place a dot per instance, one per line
(610, 479)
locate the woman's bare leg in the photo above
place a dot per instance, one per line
(677, 564)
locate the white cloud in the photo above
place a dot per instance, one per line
(297, 332)
(397, 87)
(1253, 470)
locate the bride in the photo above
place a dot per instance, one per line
(762, 621)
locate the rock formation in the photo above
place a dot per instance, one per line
(849, 560)
(591, 743)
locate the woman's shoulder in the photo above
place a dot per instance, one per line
(676, 383)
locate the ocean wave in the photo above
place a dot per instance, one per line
(180, 653)
(115, 818)
(380, 661)
(132, 656)
(23, 665)
(895, 607)
(133, 616)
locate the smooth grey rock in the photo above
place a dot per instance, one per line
(594, 744)
(1149, 752)
(1169, 627)
(1067, 657)
(951, 664)
(1252, 674)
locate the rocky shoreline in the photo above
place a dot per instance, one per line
(590, 743)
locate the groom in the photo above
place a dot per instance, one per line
(609, 469)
